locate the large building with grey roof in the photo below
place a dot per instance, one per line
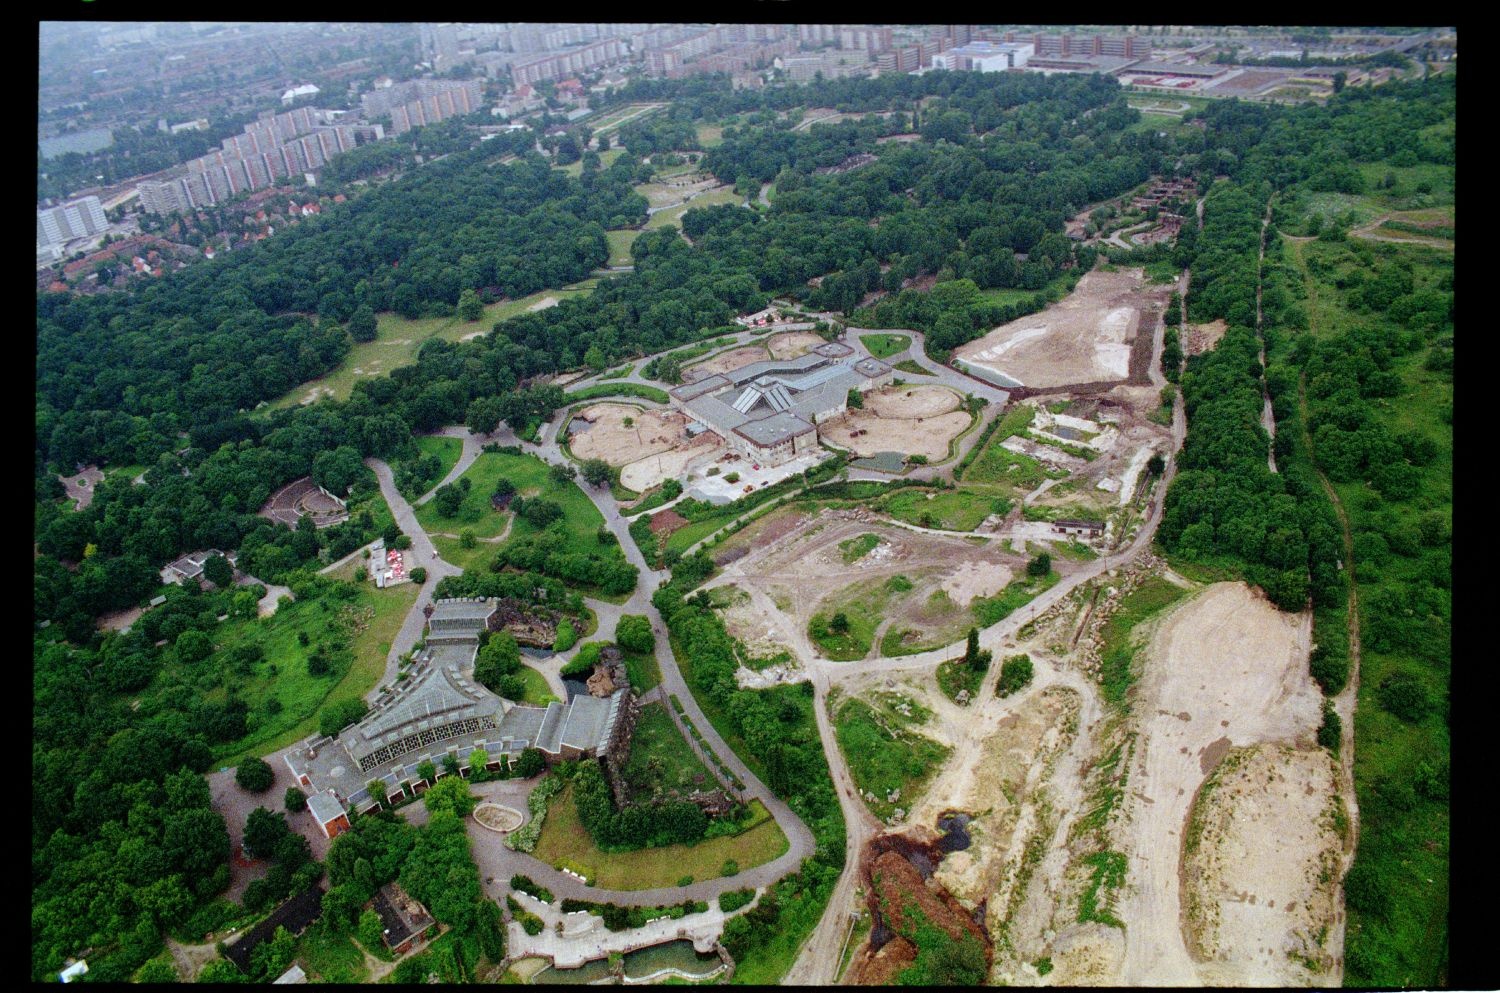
(769, 411)
(438, 711)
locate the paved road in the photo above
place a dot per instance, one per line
(423, 554)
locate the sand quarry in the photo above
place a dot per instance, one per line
(1223, 670)
(913, 420)
(787, 345)
(795, 568)
(1085, 338)
(1223, 697)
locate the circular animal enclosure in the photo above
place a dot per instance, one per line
(497, 818)
(303, 498)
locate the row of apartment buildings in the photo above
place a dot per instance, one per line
(418, 102)
(63, 223)
(269, 150)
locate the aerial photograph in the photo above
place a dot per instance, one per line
(764, 504)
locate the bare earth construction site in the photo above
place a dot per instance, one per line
(1179, 827)
(1089, 337)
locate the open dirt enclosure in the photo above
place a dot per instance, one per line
(913, 420)
(607, 436)
(786, 345)
(653, 448)
(1086, 338)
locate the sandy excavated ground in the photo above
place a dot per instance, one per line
(653, 432)
(975, 579)
(1202, 337)
(914, 420)
(801, 554)
(1085, 338)
(653, 470)
(790, 344)
(725, 362)
(1223, 669)
(1260, 884)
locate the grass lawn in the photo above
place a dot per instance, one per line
(954, 676)
(884, 755)
(910, 365)
(883, 346)
(581, 519)
(619, 245)
(993, 610)
(475, 513)
(302, 696)
(564, 837)
(673, 215)
(397, 340)
(448, 450)
(575, 169)
(862, 605)
(962, 509)
(643, 670)
(1117, 653)
(660, 760)
(331, 958)
(857, 548)
(537, 690)
(710, 135)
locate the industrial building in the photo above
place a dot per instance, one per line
(769, 411)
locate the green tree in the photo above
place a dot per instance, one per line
(254, 775)
(218, 571)
(469, 307)
(531, 762)
(296, 800)
(1040, 565)
(634, 634)
(418, 575)
(370, 931)
(426, 770)
(596, 472)
(264, 831)
(856, 400)
(448, 499)
(839, 623)
(479, 759)
(362, 326)
(156, 972)
(450, 793)
(221, 971)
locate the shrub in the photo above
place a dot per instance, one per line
(735, 899)
(1331, 730)
(634, 634)
(418, 575)
(1039, 566)
(1015, 673)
